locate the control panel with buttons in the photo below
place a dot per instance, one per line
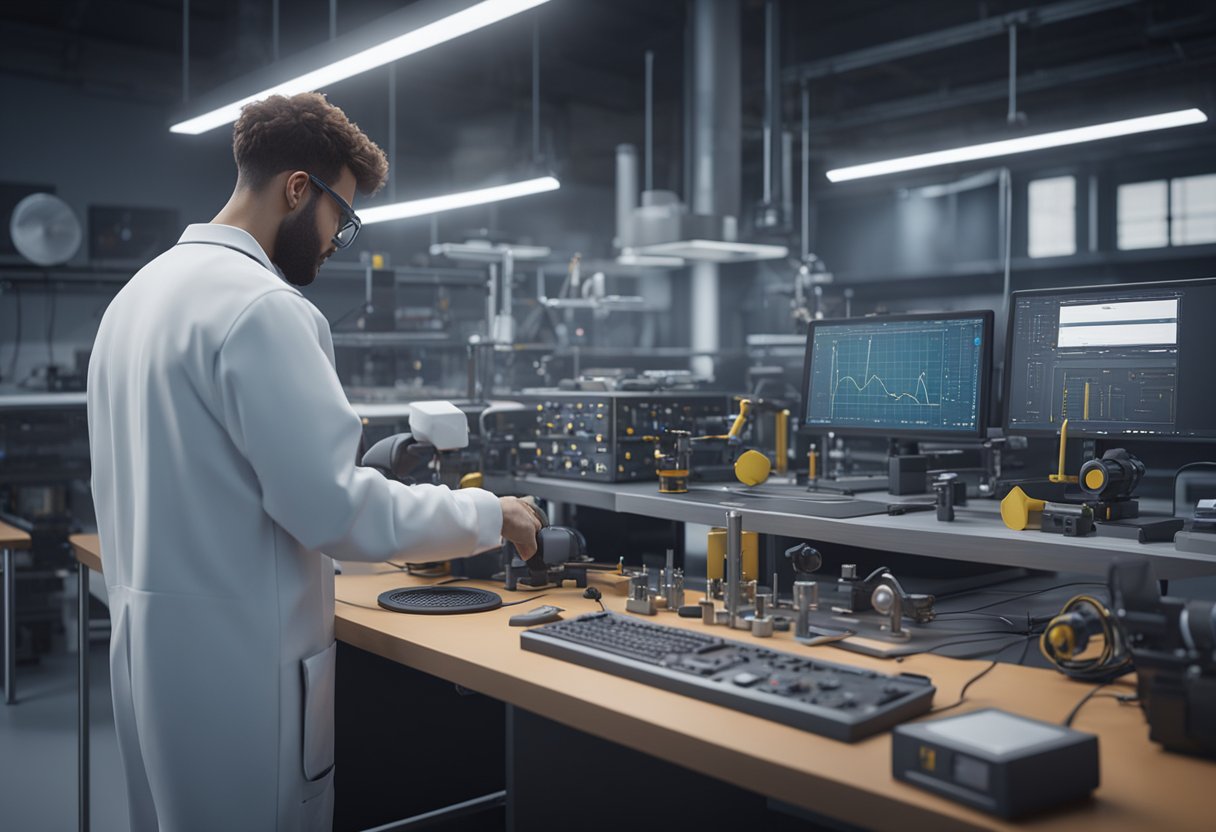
(610, 436)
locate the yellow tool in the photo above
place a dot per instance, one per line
(715, 560)
(1021, 511)
(752, 468)
(1060, 476)
(474, 479)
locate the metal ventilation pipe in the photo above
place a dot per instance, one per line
(716, 148)
(626, 193)
(773, 202)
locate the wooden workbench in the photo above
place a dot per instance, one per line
(1143, 787)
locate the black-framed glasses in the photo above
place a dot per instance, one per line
(348, 230)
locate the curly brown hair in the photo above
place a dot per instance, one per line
(304, 132)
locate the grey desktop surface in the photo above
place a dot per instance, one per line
(976, 536)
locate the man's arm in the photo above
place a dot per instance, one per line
(286, 412)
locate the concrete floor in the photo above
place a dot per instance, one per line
(38, 749)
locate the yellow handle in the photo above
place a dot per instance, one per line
(745, 407)
(1059, 475)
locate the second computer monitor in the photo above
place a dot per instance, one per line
(899, 375)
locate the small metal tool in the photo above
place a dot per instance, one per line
(762, 621)
(640, 600)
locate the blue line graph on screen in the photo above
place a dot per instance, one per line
(910, 375)
(895, 372)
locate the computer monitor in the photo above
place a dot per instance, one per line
(923, 376)
(1135, 360)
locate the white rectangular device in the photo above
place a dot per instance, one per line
(439, 423)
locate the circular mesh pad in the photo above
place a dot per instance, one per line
(439, 600)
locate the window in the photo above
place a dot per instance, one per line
(1179, 212)
(1052, 208)
(1143, 213)
(1193, 206)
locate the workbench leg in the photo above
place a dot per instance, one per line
(10, 629)
(82, 692)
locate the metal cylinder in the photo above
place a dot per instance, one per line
(675, 590)
(626, 192)
(734, 563)
(806, 597)
(707, 610)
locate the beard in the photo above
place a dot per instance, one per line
(296, 245)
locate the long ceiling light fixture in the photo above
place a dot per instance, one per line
(464, 199)
(427, 24)
(1023, 144)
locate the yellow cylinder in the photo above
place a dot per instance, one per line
(715, 562)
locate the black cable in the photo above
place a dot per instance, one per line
(1025, 595)
(1174, 493)
(962, 694)
(526, 600)
(364, 606)
(1077, 708)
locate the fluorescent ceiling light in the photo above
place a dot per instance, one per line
(447, 28)
(478, 251)
(714, 251)
(465, 199)
(1059, 138)
(628, 257)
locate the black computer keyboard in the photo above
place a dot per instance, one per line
(835, 700)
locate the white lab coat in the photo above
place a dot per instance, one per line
(223, 453)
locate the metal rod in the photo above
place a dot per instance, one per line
(392, 132)
(806, 171)
(82, 692)
(10, 629)
(536, 88)
(772, 98)
(649, 120)
(1012, 116)
(333, 19)
(945, 38)
(185, 50)
(274, 29)
(734, 564)
(1006, 214)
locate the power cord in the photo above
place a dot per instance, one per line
(962, 694)
(1021, 596)
(595, 595)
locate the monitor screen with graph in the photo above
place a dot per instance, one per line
(1132, 360)
(899, 375)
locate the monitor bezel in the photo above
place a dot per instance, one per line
(1078, 431)
(983, 405)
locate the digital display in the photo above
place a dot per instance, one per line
(1129, 360)
(924, 374)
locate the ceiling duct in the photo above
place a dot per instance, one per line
(662, 229)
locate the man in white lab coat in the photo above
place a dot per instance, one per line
(223, 453)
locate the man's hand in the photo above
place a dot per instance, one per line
(520, 523)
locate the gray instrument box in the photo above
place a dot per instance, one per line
(997, 762)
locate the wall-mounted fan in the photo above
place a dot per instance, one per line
(44, 230)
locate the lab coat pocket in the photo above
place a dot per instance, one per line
(317, 808)
(319, 673)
